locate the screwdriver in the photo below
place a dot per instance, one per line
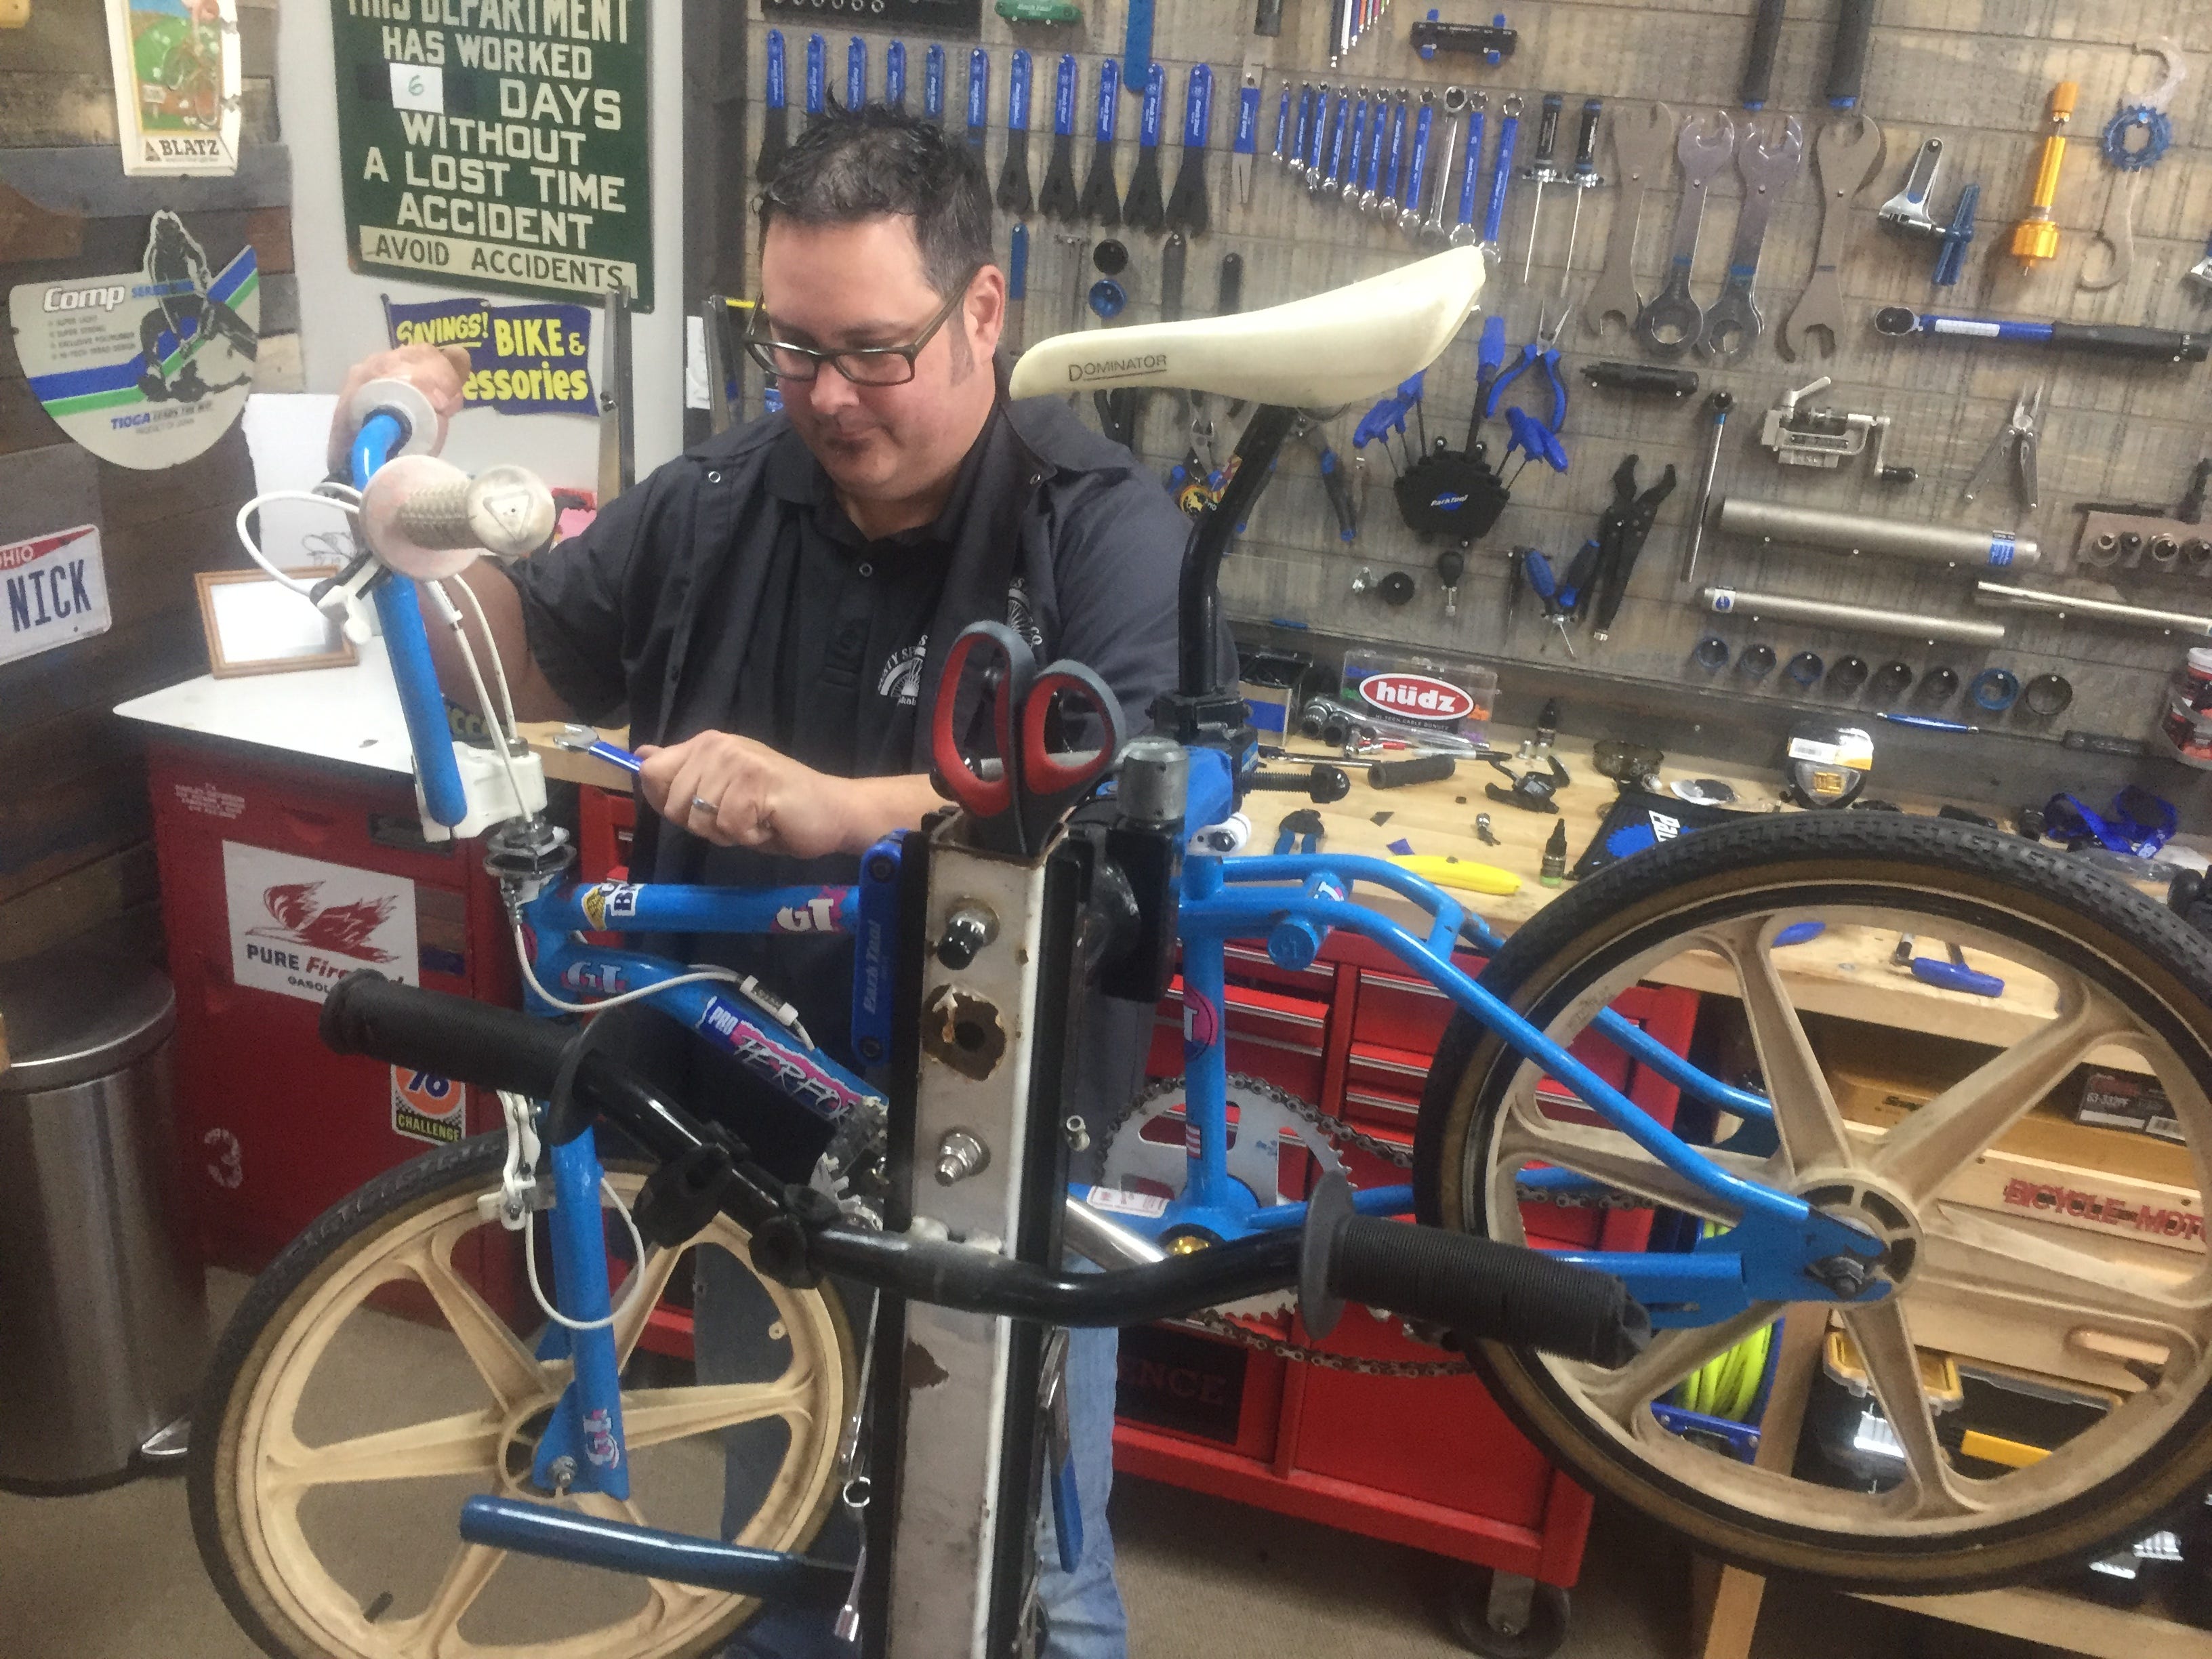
(1538, 570)
(1540, 171)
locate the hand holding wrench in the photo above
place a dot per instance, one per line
(1847, 152)
(1767, 162)
(1670, 320)
(1641, 144)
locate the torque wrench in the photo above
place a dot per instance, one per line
(2111, 339)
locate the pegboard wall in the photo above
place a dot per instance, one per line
(1979, 76)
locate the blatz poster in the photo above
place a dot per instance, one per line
(176, 85)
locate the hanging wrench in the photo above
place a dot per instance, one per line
(1766, 164)
(1329, 180)
(1432, 228)
(2116, 230)
(1670, 320)
(1386, 205)
(1378, 127)
(1357, 134)
(1847, 152)
(1501, 178)
(1641, 144)
(1464, 232)
(1409, 220)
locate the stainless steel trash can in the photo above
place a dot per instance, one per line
(103, 1312)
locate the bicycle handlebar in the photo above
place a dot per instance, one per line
(492, 1048)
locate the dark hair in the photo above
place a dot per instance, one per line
(852, 165)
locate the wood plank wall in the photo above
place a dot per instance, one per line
(1976, 72)
(73, 810)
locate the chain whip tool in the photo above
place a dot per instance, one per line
(1766, 165)
(1670, 320)
(1846, 154)
(1540, 171)
(1641, 144)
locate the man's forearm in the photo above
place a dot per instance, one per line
(535, 698)
(880, 806)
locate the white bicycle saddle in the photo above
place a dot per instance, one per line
(1349, 344)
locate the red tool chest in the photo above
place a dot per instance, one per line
(278, 875)
(1353, 1034)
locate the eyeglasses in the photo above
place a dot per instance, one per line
(862, 365)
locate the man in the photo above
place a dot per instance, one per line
(773, 610)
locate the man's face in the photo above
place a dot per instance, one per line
(832, 286)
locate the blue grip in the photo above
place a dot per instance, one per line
(1283, 125)
(932, 83)
(979, 93)
(1956, 976)
(407, 643)
(1148, 128)
(856, 73)
(1017, 93)
(613, 755)
(775, 95)
(1248, 121)
(1337, 131)
(817, 56)
(1490, 355)
(1317, 140)
(1501, 175)
(1474, 123)
(1421, 167)
(1538, 569)
(1063, 97)
(1801, 932)
(1197, 107)
(1017, 264)
(895, 75)
(1137, 41)
(1396, 171)
(1382, 119)
(1358, 133)
(1110, 91)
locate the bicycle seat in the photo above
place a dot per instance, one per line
(1349, 344)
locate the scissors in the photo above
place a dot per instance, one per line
(1017, 800)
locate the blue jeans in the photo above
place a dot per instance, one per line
(1083, 1608)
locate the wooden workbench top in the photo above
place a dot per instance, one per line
(1845, 972)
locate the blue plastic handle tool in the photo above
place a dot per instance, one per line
(817, 72)
(1377, 124)
(1533, 437)
(1197, 107)
(1017, 264)
(1247, 141)
(1957, 238)
(1354, 157)
(1017, 93)
(895, 75)
(1926, 722)
(1536, 570)
(1418, 173)
(1338, 131)
(1956, 976)
(776, 88)
(1108, 116)
(1801, 932)
(932, 84)
(856, 73)
(407, 644)
(1148, 124)
(1136, 42)
(1490, 355)
(1501, 177)
(1396, 171)
(1317, 139)
(1428, 52)
(1063, 97)
(979, 95)
(1301, 135)
(1282, 126)
(1475, 117)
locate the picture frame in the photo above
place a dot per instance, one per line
(254, 625)
(177, 78)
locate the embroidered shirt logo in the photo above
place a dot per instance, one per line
(901, 679)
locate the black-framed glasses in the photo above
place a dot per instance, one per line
(862, 365)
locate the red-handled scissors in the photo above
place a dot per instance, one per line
(1018, 798)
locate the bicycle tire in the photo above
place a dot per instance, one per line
(2118, 942)
(294, 1619)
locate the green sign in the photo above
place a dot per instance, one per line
(497, 144)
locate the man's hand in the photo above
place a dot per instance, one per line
(754, 797)
(437, 372)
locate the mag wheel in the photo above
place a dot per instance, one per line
(384, 1369)
(1995, 1270)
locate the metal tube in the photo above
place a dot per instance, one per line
(2131, 615)
(1829, 613)
(1847, 532)
(1105, 1241)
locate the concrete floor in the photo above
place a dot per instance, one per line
(114, 1575)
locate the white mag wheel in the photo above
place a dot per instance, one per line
(383, 1370)
(2022, 1271)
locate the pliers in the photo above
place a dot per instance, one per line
(2016, 436)
(1316, 437)
(1602, 568)
(1545, 349)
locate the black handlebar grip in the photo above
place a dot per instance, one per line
(1847, 64)
(1586, 135)
(1758, 67)
(1547, 128)
(2131, 340)
(1477, 1288)
(1422, 768)
(493, 1047)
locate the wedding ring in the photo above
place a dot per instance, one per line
(700, 804)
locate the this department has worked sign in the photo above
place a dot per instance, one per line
(497, 144)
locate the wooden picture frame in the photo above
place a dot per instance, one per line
(256, 626)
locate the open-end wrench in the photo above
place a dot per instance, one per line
(1767, 159)
(1847, 152)
(1409, 216)
(1296, 160)
(1385, 204)
(1463, 233)
(1642, 140)
(1348, 190)
(1670, 318)
(1330, 174)
(1432, 228)
(1501, 178)
(1378, 131)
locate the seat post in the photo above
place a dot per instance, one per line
(1199, 607)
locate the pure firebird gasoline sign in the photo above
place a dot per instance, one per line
(497, 144)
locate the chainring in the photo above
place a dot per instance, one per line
(1267, 1117)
